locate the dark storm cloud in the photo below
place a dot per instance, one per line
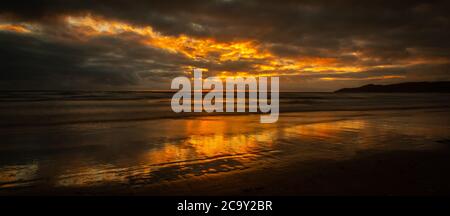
(107, 61)
(312, 23)
(380, 32)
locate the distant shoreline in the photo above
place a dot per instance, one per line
(408, 87)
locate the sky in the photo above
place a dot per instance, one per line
(142, 45)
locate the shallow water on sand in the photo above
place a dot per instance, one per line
(61, 151)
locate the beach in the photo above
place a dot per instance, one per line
(130, 143)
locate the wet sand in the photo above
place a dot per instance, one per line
(393, 173)
(95, 143)
(389, 173)
(307, 153)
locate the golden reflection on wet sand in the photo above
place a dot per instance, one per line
(17, 175)
(328, 129)
(211, 145)
(215, 145)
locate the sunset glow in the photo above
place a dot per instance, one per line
(146, 53)
(210, 50)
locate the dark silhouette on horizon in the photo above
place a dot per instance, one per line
(407, 87)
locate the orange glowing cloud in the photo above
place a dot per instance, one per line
(191, 47)
(362, 78)
(14, 28)
(262, 61)
(203, 48)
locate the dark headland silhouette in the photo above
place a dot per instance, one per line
(407, 87)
